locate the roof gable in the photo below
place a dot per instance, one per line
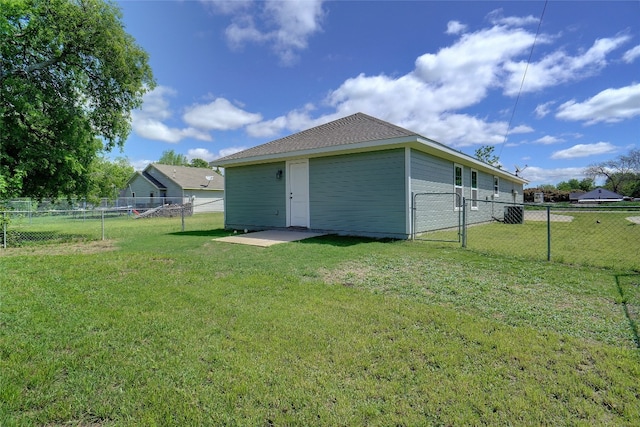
(154, 181)
(190, 178)
(355, 133)
(352, 129)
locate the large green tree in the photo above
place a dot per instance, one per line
(199, 163)
(69, 77)
(170, 157)
(108, 177)
(573, 184)
(486, 154)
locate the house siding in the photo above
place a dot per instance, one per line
(206, 200)
(172, 188)
(435, 175)
(141, 188)
(359, 194)
(254, 197)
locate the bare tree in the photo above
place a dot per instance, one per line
(617, 172)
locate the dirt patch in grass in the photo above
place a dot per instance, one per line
(87, 247)
(349, 274)
(542, 216)
(634, 219)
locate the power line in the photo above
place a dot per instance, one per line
(524, 75)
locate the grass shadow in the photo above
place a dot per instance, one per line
(217, 232)
(343, 241)
(628, 299)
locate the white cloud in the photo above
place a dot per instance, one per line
(267, 128)
(140, 164)
(454, 78)
(148, 121)
(584, 150)
(631, 55)
(609, 106)
(286, 25)
(455, 27)
(538, 176)
(219, 115)
(559, 67)
(205, 154)
(496, 18)
(156, 130)
(548, 140)
(543, 110)
(200, 153)
(228, 7)
(230, 150)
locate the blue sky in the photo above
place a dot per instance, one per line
(235, 74)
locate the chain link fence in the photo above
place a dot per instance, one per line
(606, 235)
(25, 222)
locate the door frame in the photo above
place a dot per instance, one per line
(289, 163)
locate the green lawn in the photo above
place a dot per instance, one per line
(598, 239)
(161, 327)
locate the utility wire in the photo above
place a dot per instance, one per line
(524, 75)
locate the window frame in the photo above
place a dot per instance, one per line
(496, 186)
(474, 189)
(458, 188)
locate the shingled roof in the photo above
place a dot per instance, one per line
(350, 134)
(191, 178)
(352, 129)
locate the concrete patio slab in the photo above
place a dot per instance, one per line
(268, 237)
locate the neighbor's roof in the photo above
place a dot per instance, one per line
(600, 194)
(191, 178)
(358, 132)
(151, 179)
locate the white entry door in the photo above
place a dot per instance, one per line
(298, 193)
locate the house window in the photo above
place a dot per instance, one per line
(458, 186)
(474, 189)
(496, 186)
(133, 194)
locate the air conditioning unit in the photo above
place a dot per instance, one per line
(514, 214)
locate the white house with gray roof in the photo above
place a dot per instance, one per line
(160, 184)
(353, 176)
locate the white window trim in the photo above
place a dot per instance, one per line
(496, 186)
(455, 186)
(474, 198)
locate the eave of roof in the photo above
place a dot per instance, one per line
(416, 142)
(352, 135)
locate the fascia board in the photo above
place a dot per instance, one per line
(419, 143)
(318, 152)
(435, 148)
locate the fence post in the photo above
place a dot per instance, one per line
(464, 222)
(413, 216)
(102, 220)
(182, 210)
(548, 233)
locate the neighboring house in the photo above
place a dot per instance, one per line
(161, 184)
(356, 176)
(574, 196)
(600, 195)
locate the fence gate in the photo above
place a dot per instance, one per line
(438, 212)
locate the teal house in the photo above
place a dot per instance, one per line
(359, 176)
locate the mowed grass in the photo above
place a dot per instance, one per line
(161, 327)
(598, 239)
